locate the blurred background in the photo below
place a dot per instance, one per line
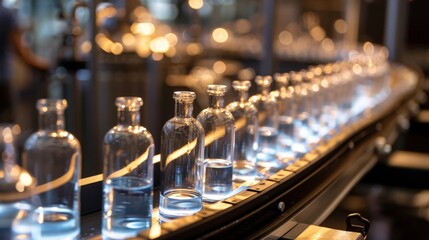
(99, 50)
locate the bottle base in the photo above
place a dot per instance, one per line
(122, 228)
(179, 203)
(57, 223)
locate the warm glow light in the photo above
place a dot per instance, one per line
(368, 48)
(143, 50)
(246, 74)
(110, 12)
(315, 87)
(172, 38)
(171, 52)
(14, 171)
(328, 45)
(105, 10)
(317, 70)
(116, 48)
(19, 187)
(155, 232)
(103, 42)
(340, 26)
(157, 56)
(285, 38)
(194, 49)
(327, 69)
(243, 26)
(159, 45)
(309, 75)
(140, 10)
(357, 69)
(220, 35)
(318, 33)
(385, 52)
(196, 4)
(26, 179)
(16, 129)
(219, 67)
(143, 28)
(86, 47)
(128, 39)
(7, 135)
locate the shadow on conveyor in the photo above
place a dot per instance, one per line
(394, 195)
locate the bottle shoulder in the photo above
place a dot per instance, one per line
(48, 139)
(138, 132)
(177, 122)
(217, 116)
(239, 109)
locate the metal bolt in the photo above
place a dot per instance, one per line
(281, 206)
(403, 122)
(382, 147)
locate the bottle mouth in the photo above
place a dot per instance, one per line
(263, 81)
(282, 78)
(184, 96)
(216, 90)
(241, 85)
(131, 103)
(45, 105)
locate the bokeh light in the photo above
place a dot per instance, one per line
(196, 4)
(220, 35)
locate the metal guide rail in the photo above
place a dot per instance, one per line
(306, 191)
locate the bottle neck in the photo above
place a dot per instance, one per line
(51, 120)
(242, 96)
(215, 101)
(183, 109)
(127, 117)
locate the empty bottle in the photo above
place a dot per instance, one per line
(246, 133)
(52, 155)
(268, 124)
(287, 112)
(302, 130)
(182, 156)
(128, 150)
(218, 124)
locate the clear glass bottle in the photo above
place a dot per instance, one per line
(246, 133)
(219, 128)
(268, 116)
(315, 104)
(16, 185)
(52, 155)
(128, 150)
(182, 156)
(287, 111)
(302, 130)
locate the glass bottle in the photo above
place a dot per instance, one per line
(128, 150)
(302, 130)
(218, 124)
(287, 110)
(246, 133)
(16, 185)
(52, 155)
(182, 156)
(315, 104)
(327, 103)
(268, 124)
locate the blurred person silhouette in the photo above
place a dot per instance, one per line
(11, 41)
